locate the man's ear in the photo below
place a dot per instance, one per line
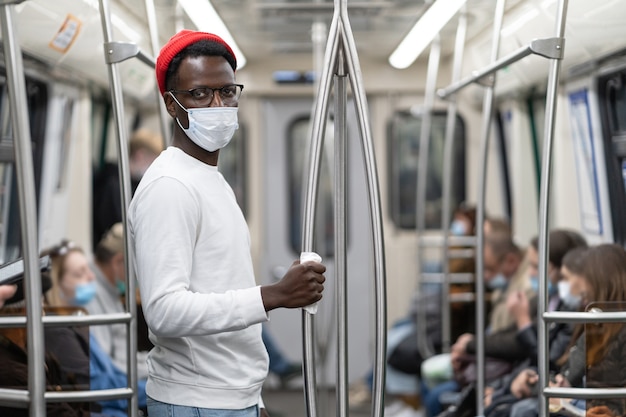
(170, 104)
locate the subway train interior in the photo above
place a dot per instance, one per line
(347, 146)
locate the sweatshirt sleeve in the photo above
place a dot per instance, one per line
(164, 221)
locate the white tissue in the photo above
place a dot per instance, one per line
(307, 257)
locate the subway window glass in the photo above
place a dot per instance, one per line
(298, 148)
(403, 143)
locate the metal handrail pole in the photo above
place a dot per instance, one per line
(424, 344)
(544, 208)
(584, 393)
(93, 395)
(153, 26)
(522, 52)
(542, 47)
(341, 162)
(28, 213)
(60, 321)
(431, 241)
(456, 278)
(448, 153)
(375, 210)
(488, 106)
(585, 317)
(124, 174)
(14, 397)
(310, 195)
(122, 51)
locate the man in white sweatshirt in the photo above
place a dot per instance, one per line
(191, 247)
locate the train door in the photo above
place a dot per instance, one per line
(287, 139)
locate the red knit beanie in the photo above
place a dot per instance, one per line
(177, 43)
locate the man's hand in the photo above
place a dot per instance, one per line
(302, 285)
(264, 413)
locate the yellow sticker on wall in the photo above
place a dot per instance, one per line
(67, 34)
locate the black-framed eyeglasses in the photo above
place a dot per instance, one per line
(229, 94)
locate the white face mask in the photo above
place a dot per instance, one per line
(570, 300)
(211, 128)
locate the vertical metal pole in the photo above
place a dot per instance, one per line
(340, 26)
(423, 342)
(308, 218)
(371, 172)
(124, 173)
(153, 26)
(341, 163)
(28, 213)
(488, 107)
(544, 209)
(448, 154)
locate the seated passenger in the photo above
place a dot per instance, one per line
(404, 358)
(74, 285)
(504, 274)
(596, 275)
(14, 360)
(110, 282)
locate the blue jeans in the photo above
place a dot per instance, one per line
(159, 409)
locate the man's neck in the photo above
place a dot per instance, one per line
(185, 144)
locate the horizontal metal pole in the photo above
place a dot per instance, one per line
(455, 278)
(98, 395)
(463, 297)
(548, 48)
(585, 317)
(59, 321)
(437, 241)
(21, 398)
(480, 74)
(14, 397)
(460, 253)
(584, 393)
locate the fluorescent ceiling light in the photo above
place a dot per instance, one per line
(206, 19)
(424, 31)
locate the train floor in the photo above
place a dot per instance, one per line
(289, 402)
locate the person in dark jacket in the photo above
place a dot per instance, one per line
(597, 277)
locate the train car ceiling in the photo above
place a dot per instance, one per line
(592, 30)
(62, 33)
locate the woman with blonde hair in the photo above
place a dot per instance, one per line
(73, 285)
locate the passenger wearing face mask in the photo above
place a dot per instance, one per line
(563, 244)
(502, 273)
(110, 275)
(14, 359)
(596, 352)
(191, 247)
(79, 353)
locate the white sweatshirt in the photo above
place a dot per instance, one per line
(191, 247)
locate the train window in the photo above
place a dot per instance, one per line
(37, 102)
(612, 98)
(297, 149)
(403, 152)
(233, 166)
